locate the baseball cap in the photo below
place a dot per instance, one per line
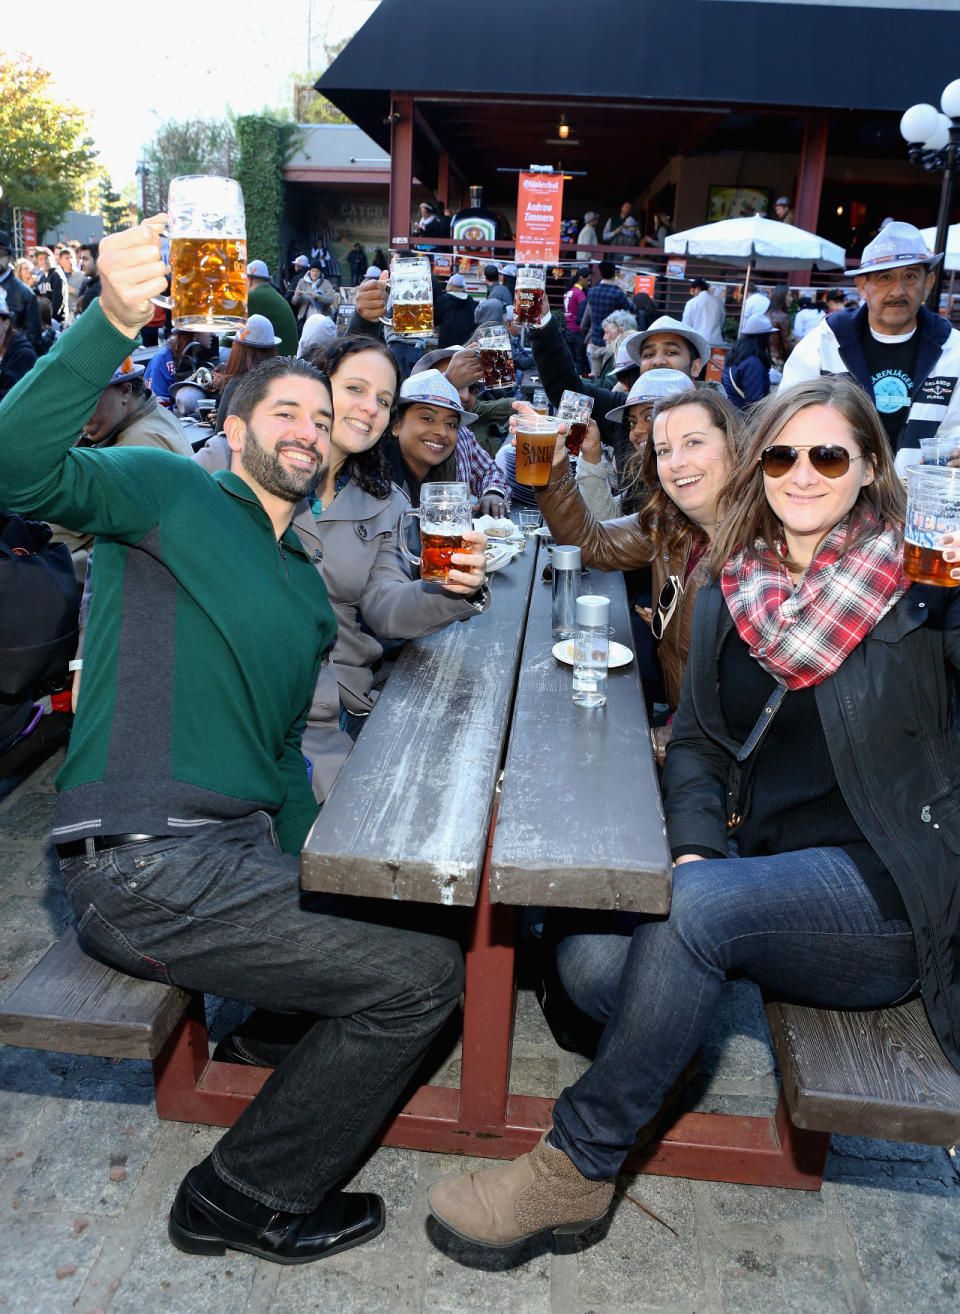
(591, 217)
(258, 269)
(650, 387)
(666, 324)
(431, 387)
(301, 262)
(893, 247)
(782, 200)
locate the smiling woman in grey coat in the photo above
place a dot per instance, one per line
(350, 530)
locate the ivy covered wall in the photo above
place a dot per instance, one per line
(265, 147)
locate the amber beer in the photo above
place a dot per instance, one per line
(208, 282)
(413, 317)
(436, 549)
(926, 565)
(535, 439)
(508, 370)
(933, 509)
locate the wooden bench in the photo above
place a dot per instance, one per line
(73, 1004)
(877, 1073)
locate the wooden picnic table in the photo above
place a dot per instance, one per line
(414, 816)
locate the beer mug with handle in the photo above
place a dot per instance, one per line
(445, 513)
(208, 254)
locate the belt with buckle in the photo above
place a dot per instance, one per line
(76, 848)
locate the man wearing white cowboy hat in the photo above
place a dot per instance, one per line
(902, 354)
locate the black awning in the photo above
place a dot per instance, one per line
(719, 53)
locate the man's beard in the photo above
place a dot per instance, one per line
(274, 477)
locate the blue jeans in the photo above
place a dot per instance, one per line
(803, 925)
(221, 911)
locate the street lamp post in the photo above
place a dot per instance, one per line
(934, 142)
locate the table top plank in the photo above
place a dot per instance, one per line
(580, 823)
(409, 814)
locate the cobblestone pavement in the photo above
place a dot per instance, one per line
(87, 1173)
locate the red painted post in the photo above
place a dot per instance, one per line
(401, 168)
(813, 159)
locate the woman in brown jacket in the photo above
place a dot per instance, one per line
(686, 463)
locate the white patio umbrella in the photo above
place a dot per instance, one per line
(952, 258)
(757, 243)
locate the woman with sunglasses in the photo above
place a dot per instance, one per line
(684, 467)
(810, 793)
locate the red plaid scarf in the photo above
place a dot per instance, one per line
(801, 635)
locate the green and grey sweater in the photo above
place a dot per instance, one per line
(205, 635)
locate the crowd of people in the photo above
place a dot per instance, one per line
(803, 688)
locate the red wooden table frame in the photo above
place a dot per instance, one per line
(482, 1118)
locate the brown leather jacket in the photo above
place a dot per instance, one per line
(621, 545)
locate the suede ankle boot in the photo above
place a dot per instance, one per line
(502, 1205)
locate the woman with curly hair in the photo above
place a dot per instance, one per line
(350, 529)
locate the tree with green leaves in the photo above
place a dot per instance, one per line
(113, 208)
(44, 146)
(196, 146)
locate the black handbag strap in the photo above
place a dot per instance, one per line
(764, 721)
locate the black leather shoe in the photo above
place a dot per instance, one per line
(209, 1217)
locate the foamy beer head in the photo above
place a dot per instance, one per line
(445, 514)
(411, 291)
(536, 435)
(208, 253)
(933, 509)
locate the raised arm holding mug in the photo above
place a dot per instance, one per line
(184, 798)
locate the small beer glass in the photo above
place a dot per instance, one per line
(208, 254)
(536, 435)
(445, 513)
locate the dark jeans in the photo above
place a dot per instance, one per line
(802, 924)
(222, 912)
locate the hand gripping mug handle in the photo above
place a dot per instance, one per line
(402, 536)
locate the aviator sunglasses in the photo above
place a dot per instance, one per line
(827, 460)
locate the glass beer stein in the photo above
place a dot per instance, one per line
(445, 513)
(528, 294)
(411, 292)
(208, 254)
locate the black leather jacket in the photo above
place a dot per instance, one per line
(889, 717)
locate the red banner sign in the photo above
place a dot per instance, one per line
(29, 229)
(539, 201)
(645, 283)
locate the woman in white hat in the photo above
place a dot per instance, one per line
(249, 345)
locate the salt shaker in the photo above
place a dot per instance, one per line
(590, 649)
(566, 586)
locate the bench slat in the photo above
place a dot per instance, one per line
(72, 1004)
(876, 1073)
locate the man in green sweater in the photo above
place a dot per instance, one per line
(264, 299)
(184, 796)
